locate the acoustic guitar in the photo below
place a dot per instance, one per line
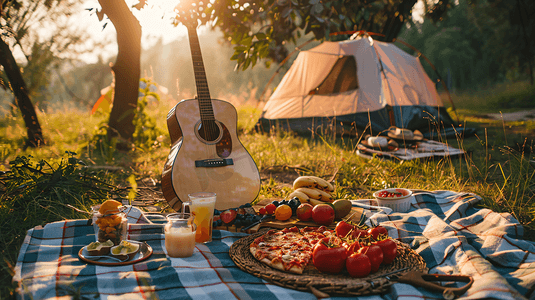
(206, 154)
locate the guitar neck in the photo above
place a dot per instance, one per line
(203, 94)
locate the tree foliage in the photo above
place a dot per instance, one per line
(259, 29)
(475, 44)
(21, 24)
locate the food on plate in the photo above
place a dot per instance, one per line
(358, 265)
(98, 248)
(244, 215)
(289, 249)
(389, 248)
(343, 229)
(375, 254)
(304, 212)
(378, 233)
(342, 207)
(352, 246)
(392, 193)
(125, 248)
(323, 214)
(387, 194)
(329, 256)
(313, 182)
(329, 251)
(299, 195)
(228, 216)
(283, 212)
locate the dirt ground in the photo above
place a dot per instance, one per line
(514, 116)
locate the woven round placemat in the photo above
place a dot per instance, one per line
(321, 284)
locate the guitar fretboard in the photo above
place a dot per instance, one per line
(203, 94)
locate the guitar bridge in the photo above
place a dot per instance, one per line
(211, 163)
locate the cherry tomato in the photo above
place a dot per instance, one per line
(343, 229)
(390, 250)
(359, 233)
(329, 256)
(358, 265)
(262, 211)
(377, 232)
(375, 254)
(270, 208)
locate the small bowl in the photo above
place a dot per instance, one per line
(401, 203)
(97, 248)
(119, 250)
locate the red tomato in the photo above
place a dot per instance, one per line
(329, 256)
(262, 211)
(375, 254)
(359, 233)
(352, 247)
(343, 228)
(378, 232)
(358, 265)
(270, 208)
(390, 250)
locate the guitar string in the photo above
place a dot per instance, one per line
(208, 124)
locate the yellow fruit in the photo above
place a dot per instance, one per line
(109, 205)
(283, 212)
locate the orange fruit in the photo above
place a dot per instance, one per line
(109, 205)
(283, 212)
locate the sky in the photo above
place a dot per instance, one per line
(155, 22)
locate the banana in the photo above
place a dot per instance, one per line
(316, 194)
(315, 202)
(303, 198)
(313, 182)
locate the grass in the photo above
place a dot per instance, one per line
(500, 168)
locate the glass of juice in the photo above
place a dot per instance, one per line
(180, 235)
(202, 206)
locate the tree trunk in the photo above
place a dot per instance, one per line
(22, 99)
(127, 70)
(396, 20)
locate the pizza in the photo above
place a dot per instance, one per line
(288, 249)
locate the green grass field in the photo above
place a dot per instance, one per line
(46, 183)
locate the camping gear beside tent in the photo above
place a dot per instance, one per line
(359, 84)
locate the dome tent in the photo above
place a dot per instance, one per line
(359, 83)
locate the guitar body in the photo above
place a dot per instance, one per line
(221, 165)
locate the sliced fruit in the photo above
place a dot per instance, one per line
(228, 216)
(109, 205)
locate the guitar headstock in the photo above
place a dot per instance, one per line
(189, 13)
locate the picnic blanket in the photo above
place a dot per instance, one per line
(444, 227)
(424, 149)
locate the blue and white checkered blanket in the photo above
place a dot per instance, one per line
(444, 227)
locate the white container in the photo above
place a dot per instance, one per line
(377, 141)
(396, 203)
(180, 235)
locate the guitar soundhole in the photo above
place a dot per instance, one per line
(222, 140)
(209, 131)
